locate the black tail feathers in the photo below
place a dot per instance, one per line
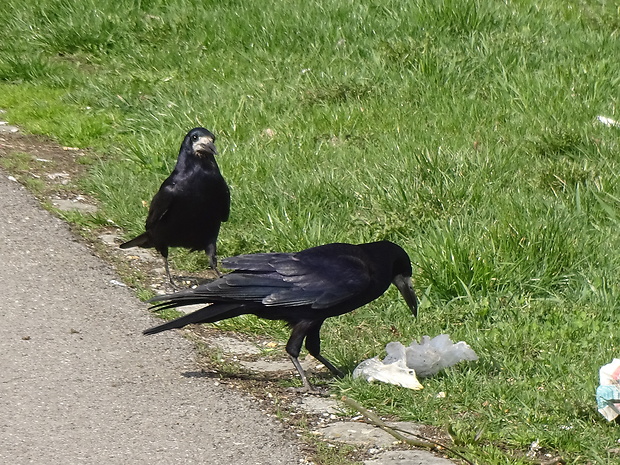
(208, 314)
(142, 240)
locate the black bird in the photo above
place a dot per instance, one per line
(190, 205)
(302, 288)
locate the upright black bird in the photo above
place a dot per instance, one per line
(190, 205)
(302, 288)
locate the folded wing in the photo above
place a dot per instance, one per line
(314, 277)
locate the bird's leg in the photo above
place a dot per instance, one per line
(302, 373)
(293, 347)
(211, 254)
(313, 344)
(328, 364)
(174, 286)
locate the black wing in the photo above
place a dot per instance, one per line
(314, 277)
(255, 261)
(321, 277)
(160, 204)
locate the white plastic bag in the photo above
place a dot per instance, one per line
(403, 365)
(373, 369)
(430, 356)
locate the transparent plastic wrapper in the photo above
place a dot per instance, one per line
(403, 365)
(608, 392)
(430, 356)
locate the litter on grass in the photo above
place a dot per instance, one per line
(403, 365)
(608, 121)
(608, 392)
(373, 369)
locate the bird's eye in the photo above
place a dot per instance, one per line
(195, 137)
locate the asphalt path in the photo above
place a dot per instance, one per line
(79, 384)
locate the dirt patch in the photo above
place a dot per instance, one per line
(51, 171)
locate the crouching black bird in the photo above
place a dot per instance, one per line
(190, 205)
(302, 288)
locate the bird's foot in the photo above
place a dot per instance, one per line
(174, 286)
(311, 390)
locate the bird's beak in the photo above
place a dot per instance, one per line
(405, 287)
(205, 146)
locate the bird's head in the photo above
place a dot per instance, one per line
(402, 279)
(392, 259)
(201, 142)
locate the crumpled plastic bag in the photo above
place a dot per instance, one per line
(373, 369)
(608, 392)
(430, 356)
(403, 365)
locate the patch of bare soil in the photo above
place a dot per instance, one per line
(57, 168)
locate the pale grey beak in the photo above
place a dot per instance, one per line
(205, 146)
(405, 287)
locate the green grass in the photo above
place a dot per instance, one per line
(463, 130)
